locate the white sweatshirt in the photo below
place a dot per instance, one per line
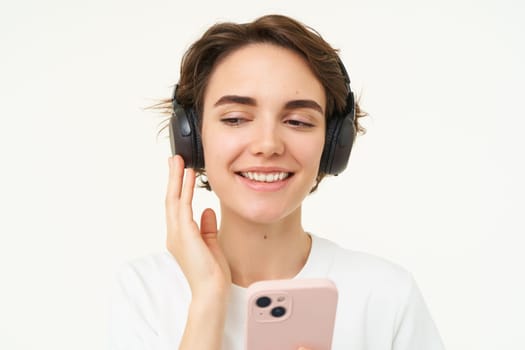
(379, 307)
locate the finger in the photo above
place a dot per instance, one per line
(186, 197)
(176, 172)
(208, 224)
(209, 234)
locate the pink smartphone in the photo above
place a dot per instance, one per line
(287, 314)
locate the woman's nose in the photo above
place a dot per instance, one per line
(267, 140)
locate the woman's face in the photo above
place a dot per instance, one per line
(263, 132)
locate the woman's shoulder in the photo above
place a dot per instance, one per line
(361, 269)
(375, 293)
(149, 264)
(155, 271)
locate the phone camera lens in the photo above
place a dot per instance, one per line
(278, 311)
(263, 301)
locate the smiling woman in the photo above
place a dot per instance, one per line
(268, 110)
(275, 132)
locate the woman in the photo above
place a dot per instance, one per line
(263, 97)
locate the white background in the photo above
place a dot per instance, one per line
(436, 184)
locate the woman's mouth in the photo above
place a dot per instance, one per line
(265, 177)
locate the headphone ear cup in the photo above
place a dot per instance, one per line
(185, 137)
(339, 140)
(198, 152)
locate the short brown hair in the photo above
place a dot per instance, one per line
(222, 39)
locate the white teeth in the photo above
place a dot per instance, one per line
(265, 177)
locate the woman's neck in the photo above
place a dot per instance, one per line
(257, 251)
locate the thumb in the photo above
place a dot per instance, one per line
(209, 234)
(209, 226)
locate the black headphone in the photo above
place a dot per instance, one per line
(185, 138)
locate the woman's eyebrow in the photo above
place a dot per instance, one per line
(304, 104)
(250, 101)
(243, 100)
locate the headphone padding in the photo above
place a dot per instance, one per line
(339, 139)
(185, 137)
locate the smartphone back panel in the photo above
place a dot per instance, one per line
(287, 314)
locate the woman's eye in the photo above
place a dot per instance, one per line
(299, 123)
(233, 121)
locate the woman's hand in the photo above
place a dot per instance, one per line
(201, 259)
(196, 250)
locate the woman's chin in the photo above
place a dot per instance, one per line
(265, 215)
